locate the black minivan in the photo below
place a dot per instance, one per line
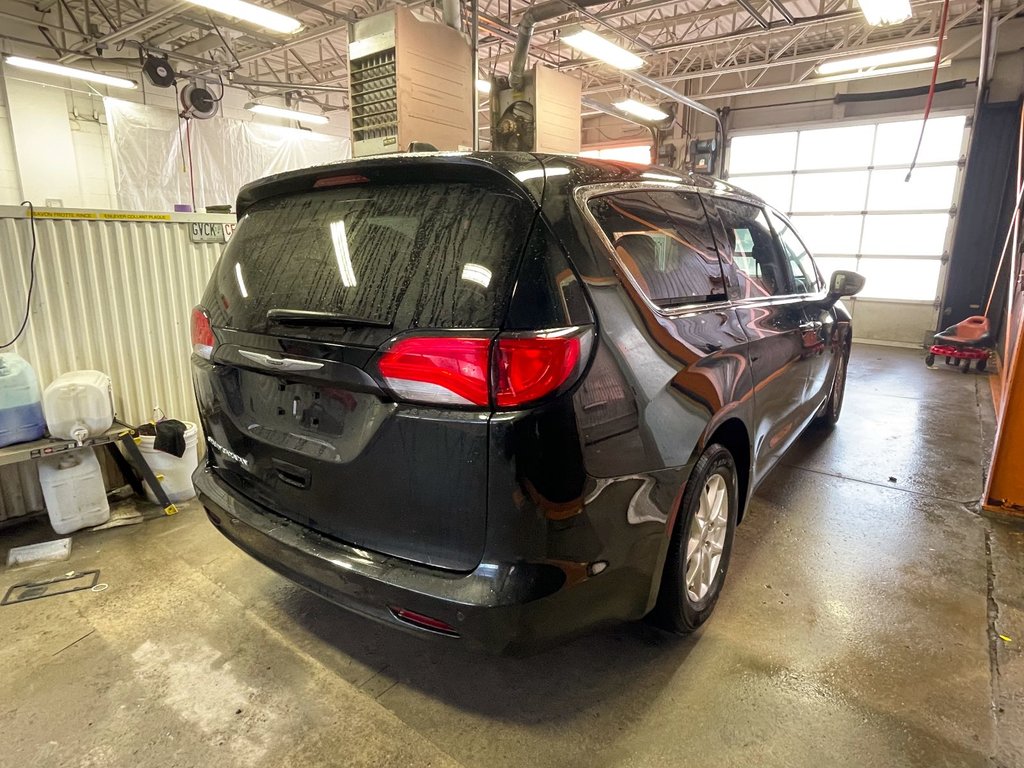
(506, 397)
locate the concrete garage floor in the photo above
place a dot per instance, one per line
(860, 627)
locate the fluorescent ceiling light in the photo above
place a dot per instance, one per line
(287, 114)
(886, 58)
(641, 110)
(484, 86)
(254, 14)
(847, 76)
(540, 173)
(475, 273)
(594, 45)
(882, 12)
(78, 74)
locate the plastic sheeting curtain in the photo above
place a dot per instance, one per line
(152, 168)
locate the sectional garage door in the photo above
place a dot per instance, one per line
(845, 188)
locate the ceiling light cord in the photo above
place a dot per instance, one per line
(931, 88)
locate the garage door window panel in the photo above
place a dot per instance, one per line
(763, 153)
(929, 189)
(830, 235)
(943, 139)
(839, 192)
(906, 279)
(818, 149)
(852, 205)
(917, 234)
(664, 242)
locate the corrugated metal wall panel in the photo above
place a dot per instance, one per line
(110, 295)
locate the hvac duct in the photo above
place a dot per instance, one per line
(530, 19)
(451, 10)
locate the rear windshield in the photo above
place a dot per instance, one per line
(410, 255)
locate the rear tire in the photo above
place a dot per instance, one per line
(698, 553)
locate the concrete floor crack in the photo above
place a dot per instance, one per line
(993, 635)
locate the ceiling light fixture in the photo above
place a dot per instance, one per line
(287, 114)
(883, 12)
(594, 45)
(78, 74)
(884, 71)
(643, 111)
(886, 58)
(254, 14)
(484, 86)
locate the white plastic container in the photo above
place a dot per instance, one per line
(21, 412)
(73, 490)
(78, 405)
(177, 480)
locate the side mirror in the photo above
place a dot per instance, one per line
(844, 283)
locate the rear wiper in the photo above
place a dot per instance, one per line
(313, 318)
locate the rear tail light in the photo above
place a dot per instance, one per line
(202, 333)
(509, 371)
(438, 369)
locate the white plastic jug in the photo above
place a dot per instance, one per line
(73, 490)
(78, 405)
(177, 473)
(21, 412)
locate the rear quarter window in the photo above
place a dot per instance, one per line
(663, 240)
(406, 255)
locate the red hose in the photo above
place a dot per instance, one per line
(931, 88)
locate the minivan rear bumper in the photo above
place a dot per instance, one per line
(497, 608)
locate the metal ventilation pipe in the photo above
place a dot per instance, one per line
(533, 16)
(451, 11)
(691, 103)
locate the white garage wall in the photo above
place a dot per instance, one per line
(85, 117)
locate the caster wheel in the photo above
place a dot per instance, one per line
(967, 366)
(956, 362)
(929, 360)
(949, 360)
(982, 364)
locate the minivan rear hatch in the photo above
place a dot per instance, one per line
(312, 283)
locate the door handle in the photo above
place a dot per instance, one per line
(813, 325)
(280, 363)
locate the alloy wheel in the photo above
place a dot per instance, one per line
(707, 538)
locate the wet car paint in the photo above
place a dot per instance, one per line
(589, 485)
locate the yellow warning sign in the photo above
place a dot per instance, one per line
(102, 215)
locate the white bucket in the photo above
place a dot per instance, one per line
(177, 473)
(73, 490)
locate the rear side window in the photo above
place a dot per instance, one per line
(798, 260)
(409, 255)
(759, 269)
(663, 240)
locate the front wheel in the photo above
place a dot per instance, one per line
(698, 555)
(834, 405)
